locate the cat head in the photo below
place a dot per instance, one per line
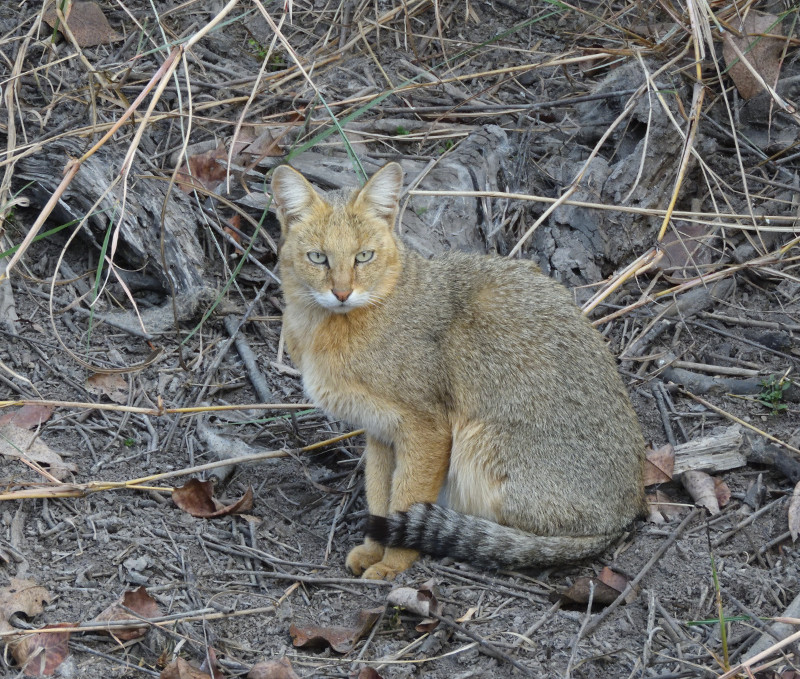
(338, 252)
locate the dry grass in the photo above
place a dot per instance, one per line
(183, 76)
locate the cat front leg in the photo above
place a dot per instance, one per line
(422, 458)
(378, 470)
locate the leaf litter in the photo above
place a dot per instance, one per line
(308, 518)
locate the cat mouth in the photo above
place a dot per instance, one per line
(330, 302)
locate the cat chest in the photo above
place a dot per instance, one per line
(347, 398)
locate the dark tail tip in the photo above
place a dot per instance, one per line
(377, 528)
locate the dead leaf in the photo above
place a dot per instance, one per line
(662, 507)
(209, 664)
(138, 601)
(265, 144)
(607, 587)
(763, 54)
(368, 673)
(794, 513)
(197, 498)
(21, 596)
(20, 443)
(422, 601)
(701, 487)
(180, 669)
(581, 589)
(686, 247)
(87, 23)
(340, 638)
(28, 416)
(112, 385)
(659, 465)
(204, 170)
(468, 615)
(41, 653)
(722, 492)
(618, 581)
(273, 669)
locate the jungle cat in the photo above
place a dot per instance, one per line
(498, 431)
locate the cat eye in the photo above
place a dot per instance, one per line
(317, 257)
(364, 256)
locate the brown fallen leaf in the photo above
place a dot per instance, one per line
(210, 665)
(138, 601)
(468, 615)
(265, 144)
(111, 385)
(686, 246)
(618, 581)
(794, 513)
(41, 653)
(422, 601)
(581, 589)
(340, 638)
(19, 443)
(20, 596)
(722, 491)
(197, 498)
(204, 170)
(368, 673)
(273, 669)
(763, 54)
(658, 465)
(38, 653)
(28, 416)
(87, 23)
(181, 669)
(662, 507)
(701, 487)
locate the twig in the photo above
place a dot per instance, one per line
(574, 652)
(591, 626)
(488, 648)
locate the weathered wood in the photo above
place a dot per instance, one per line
(138, 246)
(714, 453)
(777, 630)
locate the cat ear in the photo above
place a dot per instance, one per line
(380, 195)
(293, 195)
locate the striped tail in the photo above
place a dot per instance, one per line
(439, 531)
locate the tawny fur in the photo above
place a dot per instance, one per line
(477, 379)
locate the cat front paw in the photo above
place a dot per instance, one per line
(361, 558)
(394, 561)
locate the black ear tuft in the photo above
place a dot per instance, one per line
(377, 528)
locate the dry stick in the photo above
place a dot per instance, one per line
(653, 560)
(724, 413)
(488, 648)
(744, 523)
(541, 621)
(160, 621)
(697, 104)
(74, 165)
(164, 72)
(82, 489)
(687, 215)
(574, 653)
(9, 96)
(155, 412)
(705, 279)
(575, 182)
(764, 654)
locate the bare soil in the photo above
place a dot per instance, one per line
(474, 119)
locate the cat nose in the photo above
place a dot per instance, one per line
(341, 295)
